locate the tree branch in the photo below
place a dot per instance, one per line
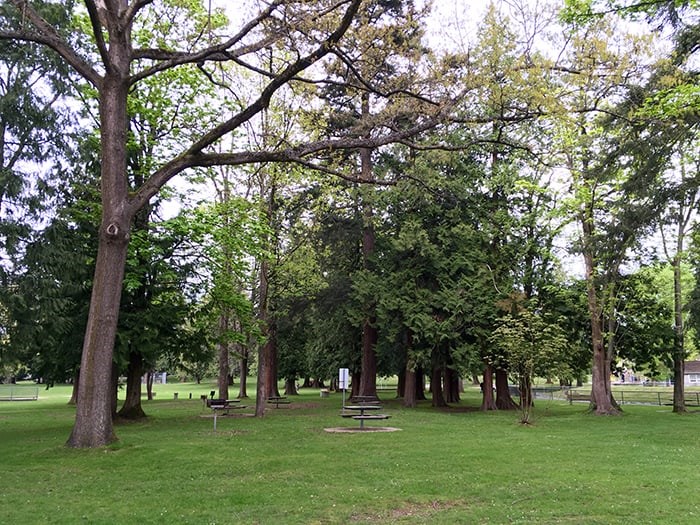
(219, 52)
(47, 35)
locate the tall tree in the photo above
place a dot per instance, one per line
(116, 64)
(613, 199)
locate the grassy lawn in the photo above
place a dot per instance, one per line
(449, 466)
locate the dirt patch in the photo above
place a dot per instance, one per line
(358, 430)
(409, 510)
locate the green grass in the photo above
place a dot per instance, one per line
(453, 466)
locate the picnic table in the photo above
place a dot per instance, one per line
(223, 406)
(278, 400)
(363, 416)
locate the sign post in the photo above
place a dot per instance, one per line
(343, 380)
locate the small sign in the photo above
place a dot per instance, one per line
(343, 378)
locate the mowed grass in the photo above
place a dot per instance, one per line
(444, 466)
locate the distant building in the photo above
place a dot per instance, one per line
(692, 373)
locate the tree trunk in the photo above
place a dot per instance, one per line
(271, 354)
(368, 381)
(74, 391)
(150, 375)
(488, 402)
(409, 392)
(451, 382)
(525, 398)
(355, 383)
(678, 336)
(436, 387)
(420, 384)
(601, 392)
(93, 421)
(401, 383)
(504, 400)
(224, 367)
(243, 387)
(132, 409)
(290, 387)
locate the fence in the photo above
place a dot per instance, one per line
(19, 393)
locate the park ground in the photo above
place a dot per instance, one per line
(456, 465)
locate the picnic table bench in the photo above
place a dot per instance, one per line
(577, 396)
(278, 400)
(362, 416)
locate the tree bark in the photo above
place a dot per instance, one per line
(243, 386)
(436, 387)
(451, 382)
(224, 367)
(601, 391)
(504, 401)
(290, 387)
(678, 335)
(409, 393)
(132, 409)
(93, 422)
(420, 384)
(368, 381)
(74, 391)
(487, 402)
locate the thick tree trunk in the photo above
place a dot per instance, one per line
(601, 392)
(487, 402)
(504, 400)
(355, 383)
(93, 422)
(451, 382)
(436, 387)
(132, 409)
(290, 387)
(401, 383)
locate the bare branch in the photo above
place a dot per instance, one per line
(134, 8)
(97, 31)
(47, 35)
(217, 52)
(195, 158)
(276, 83)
